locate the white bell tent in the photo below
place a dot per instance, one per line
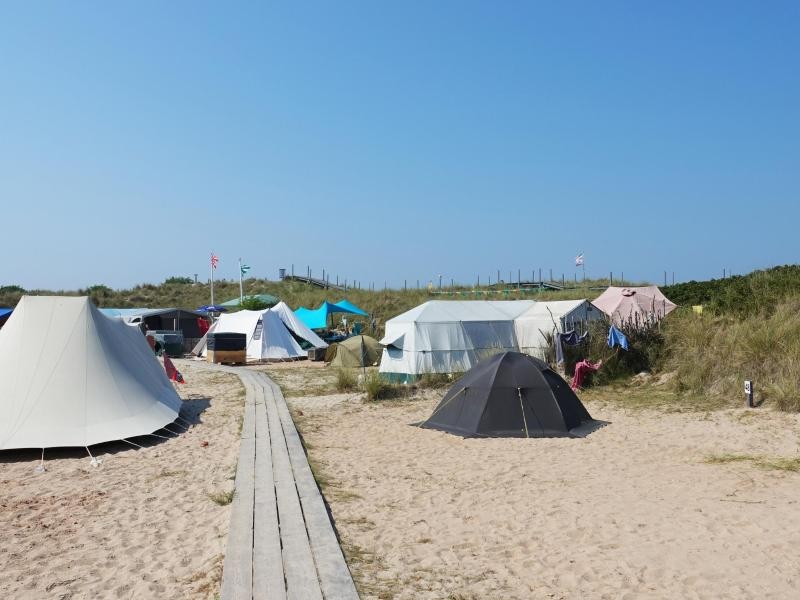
(296, 326)
(70, 376)
(267, 336)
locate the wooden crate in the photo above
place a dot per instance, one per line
(235, 357)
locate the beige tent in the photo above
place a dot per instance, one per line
(70, 376)
(634, 305)
(357, 351)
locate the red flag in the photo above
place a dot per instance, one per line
(172, 372)
(214, 260)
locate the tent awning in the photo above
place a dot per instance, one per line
(318, 318)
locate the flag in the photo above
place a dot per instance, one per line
(579, 260)
(244, 269)
(214, 260)
(172, 373)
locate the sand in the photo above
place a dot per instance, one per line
(140, 525)
(632, 511)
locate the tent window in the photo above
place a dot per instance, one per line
(257, 332)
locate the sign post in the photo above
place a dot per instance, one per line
(748, 392)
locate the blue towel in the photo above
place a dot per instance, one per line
(617, 338)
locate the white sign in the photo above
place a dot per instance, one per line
(748, 386)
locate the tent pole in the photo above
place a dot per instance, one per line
(522, 408)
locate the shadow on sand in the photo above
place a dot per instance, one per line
(189, 416)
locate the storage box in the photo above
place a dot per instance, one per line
(226, 348)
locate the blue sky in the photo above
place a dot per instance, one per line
(391, 142)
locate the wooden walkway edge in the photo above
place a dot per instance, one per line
(281, 542)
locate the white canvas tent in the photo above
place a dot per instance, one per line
(70, 376)
(443, 336)
(551, 317)
(267, 336)
(296, 326)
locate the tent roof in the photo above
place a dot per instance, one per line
(622, 303)
(128, 313)
(293, 322)
(268, 299)
(69, 376)
(350, 307)
(558, 308)
(443, 311)
(124, 313)
(318, 317)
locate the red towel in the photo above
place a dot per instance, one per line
(582, 369)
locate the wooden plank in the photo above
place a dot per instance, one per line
(298, 562)
(268, 581)
(335, 578)
(237, 572)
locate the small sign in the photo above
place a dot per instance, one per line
(748, 386)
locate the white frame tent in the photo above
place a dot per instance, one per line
(557, 316)
(70, 376)
(448, 336)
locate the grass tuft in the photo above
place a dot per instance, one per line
(222, 498)
(778, 463)
(345, 380)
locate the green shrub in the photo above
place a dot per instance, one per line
(253, 304)
(178, 280)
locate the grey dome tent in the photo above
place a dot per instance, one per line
(511, 395)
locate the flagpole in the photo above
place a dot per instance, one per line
(212, 280)
(241, 292)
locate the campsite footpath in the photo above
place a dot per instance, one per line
(148, 523)
(656, 504)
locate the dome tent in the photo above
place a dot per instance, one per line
(70, 376)
(511, 395)
(356, 351)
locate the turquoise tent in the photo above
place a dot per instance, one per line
(318, 318)
(352, 308)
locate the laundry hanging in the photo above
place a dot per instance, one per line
(582, 369)
(569, 338)
(617, 338)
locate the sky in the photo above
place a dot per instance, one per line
(392, 142)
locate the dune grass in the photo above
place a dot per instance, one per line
(713, 355)
(779, 463)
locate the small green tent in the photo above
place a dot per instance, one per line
(357, 351)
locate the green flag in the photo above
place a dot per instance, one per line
(244, 269)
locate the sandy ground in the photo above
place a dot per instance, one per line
(632, 511)
(141, 525)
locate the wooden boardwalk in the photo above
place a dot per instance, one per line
(281, 542)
